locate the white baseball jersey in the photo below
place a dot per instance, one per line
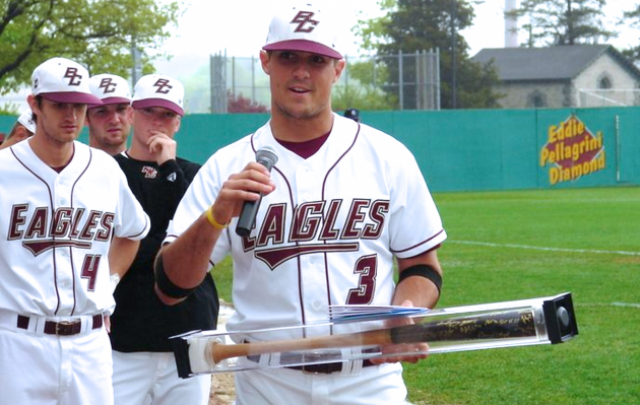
(56, 231)
(328, 234)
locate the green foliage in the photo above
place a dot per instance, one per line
(372, 32)
(363, 90)
(412, 26)
(9, 109)
(96, 33)
(562, 22)
(476, 82)
(365, 97)
(632, 18)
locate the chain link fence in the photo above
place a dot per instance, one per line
(608, 97)
(391, 82)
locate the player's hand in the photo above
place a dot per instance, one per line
(247, 185)
(107, 323)
(162, 147)
(419, 348)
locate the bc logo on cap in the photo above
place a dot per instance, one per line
(72, 74)
(108, 85)
(301, 19)
(163, 86)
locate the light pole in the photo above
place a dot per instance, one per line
(454, 101)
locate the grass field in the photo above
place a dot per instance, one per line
(506, 246)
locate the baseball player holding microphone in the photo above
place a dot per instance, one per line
(67, 220)
(339, 204)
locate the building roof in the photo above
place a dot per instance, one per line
(562, 62)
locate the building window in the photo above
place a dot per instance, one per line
(604, 83)
(536, 99)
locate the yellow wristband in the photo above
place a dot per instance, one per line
(213, 221)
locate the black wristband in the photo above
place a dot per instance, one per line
(422, 270)
(168, 168)
(167, 286)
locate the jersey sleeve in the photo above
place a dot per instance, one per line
(416, 225)
(199, 196)
(130, 221)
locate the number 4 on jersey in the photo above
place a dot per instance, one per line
(90, 270)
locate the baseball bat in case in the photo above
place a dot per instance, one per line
(346, 339)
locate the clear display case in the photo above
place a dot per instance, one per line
(359, 335)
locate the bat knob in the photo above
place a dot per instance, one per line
(563, 317)
(209, 352)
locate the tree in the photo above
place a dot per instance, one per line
(562, 22)
(633, 53)
(411, 26)
(96, 33)
(364, 91)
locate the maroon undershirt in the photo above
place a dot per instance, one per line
(307, 148)
(61, 168)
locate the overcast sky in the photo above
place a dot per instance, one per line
(240, 27)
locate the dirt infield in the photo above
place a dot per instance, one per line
(223, 390)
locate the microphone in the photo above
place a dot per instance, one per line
(267, 157)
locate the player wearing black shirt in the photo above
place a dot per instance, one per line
(144, 365)
(141, 321)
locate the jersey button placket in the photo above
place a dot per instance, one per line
(61, 193)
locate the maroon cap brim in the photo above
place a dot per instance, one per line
(115, 100)
(72, 97)
(158, 102)
(303, 46)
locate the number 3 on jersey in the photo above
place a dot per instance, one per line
(367, 268)
(90, 270)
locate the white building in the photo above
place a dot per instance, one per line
(564, 76)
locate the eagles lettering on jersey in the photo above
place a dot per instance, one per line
(67, 227)
(364, 220)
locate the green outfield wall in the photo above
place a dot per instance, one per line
(475, 149)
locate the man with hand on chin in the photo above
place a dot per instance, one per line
(144, 364)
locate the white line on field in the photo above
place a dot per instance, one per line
(625, 304)
(548, 249)
(610, 304)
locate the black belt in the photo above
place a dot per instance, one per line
(324, 368)
(63, 328)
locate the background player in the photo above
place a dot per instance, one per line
(110, 122)
(24, 128)
(63, 206)
(352, 113)
(342, 201)
(145, 370)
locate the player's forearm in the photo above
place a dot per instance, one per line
(421, 291)
(186, 260)
(121, 255)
